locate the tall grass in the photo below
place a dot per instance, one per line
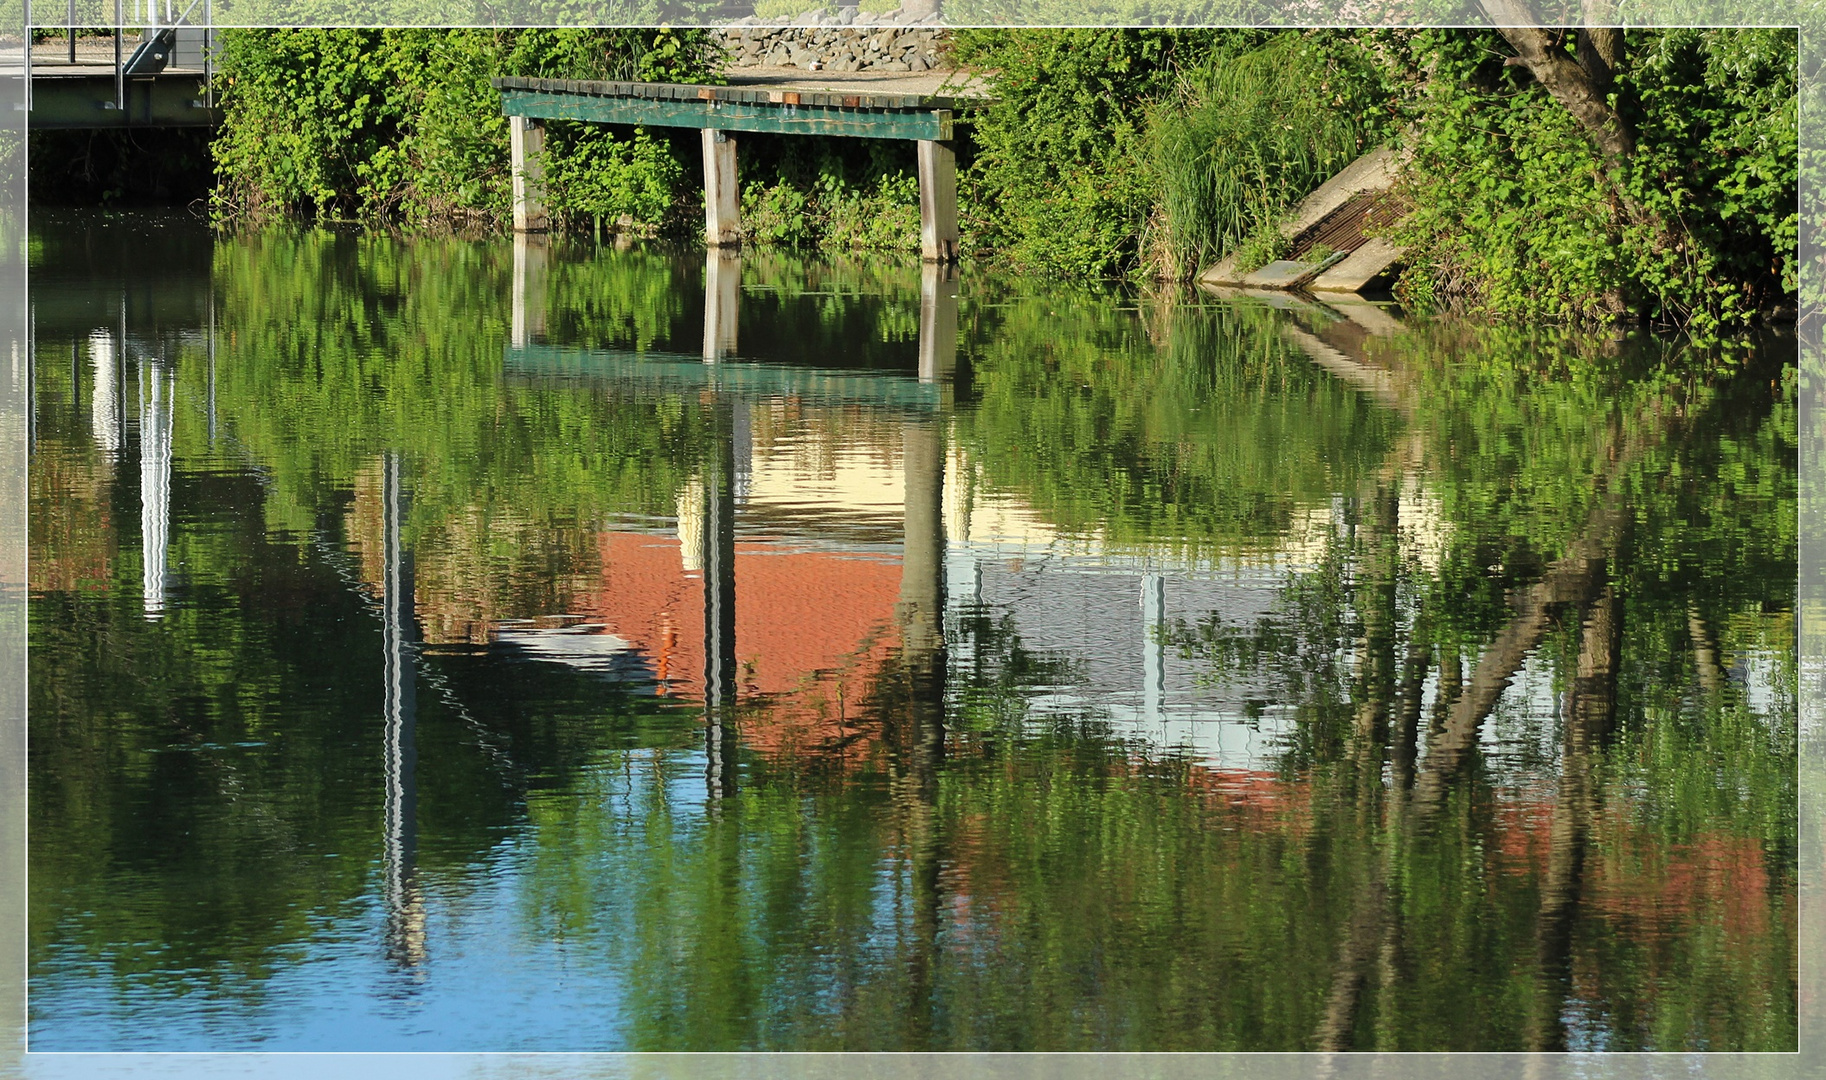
(1249, 135)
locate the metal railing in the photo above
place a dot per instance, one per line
(149, 17)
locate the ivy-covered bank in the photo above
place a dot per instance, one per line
(1661, 187)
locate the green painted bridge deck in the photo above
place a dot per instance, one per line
(845, 107)
(780, 110)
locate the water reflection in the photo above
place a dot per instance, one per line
(867, 658)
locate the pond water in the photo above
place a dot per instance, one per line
(443, 645)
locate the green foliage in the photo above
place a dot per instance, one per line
(611, 179)
(402, 125)
(1251, 133)
(1264, 244)
(1514, 211)
(833, 194)
(1061, 182)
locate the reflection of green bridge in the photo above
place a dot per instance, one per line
(676, 371)
(722, 308)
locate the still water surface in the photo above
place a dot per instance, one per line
(442, 646)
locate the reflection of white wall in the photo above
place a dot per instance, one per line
(155, 421)
(1762, 674)
(1424, 528)
(691, 525)
(825, 479)
(104, 403)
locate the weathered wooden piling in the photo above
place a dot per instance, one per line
(722, 196)
(526, 149)
(937, 201)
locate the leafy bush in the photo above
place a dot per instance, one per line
(403, 125)
(1060, 182)
(1264, 244)
(835, 194)
(1516, 213)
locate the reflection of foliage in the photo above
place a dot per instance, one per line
(339, 348)
(1216, 439)
(1697, 807)
(1058, 887)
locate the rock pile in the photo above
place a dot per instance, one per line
(853, 45)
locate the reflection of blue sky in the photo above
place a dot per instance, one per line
(499, 973)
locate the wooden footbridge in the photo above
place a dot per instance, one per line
(852, 107)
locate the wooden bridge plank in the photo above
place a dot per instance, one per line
(922, 124)
(809, 95)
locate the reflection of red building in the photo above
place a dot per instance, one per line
(813, 630)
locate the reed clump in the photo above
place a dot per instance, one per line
(1248, 135)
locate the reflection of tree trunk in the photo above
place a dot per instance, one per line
(921, 613)
(1370, 939)
(1570, 580)
(1362, 942)
(1588, 721)
(1451, 687)
(1376, 607)
(718, 560)
(1403, 747)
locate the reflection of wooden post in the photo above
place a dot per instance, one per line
(722, 303)
(722, 198)
(1376, 602)
(529, 289)
(399, 850)
(922, 632)
(158, 391)
(922, 561)
(526, 147)
(718, 560)
(937, 201)
(937, 322)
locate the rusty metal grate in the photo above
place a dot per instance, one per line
(1343, 228)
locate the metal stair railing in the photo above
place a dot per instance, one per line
(158, 21)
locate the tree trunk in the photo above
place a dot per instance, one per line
(1584, 91)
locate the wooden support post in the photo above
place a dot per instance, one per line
(937, 201)
(722, 198)
(529, 290)
(722, 303)
(526, 144)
